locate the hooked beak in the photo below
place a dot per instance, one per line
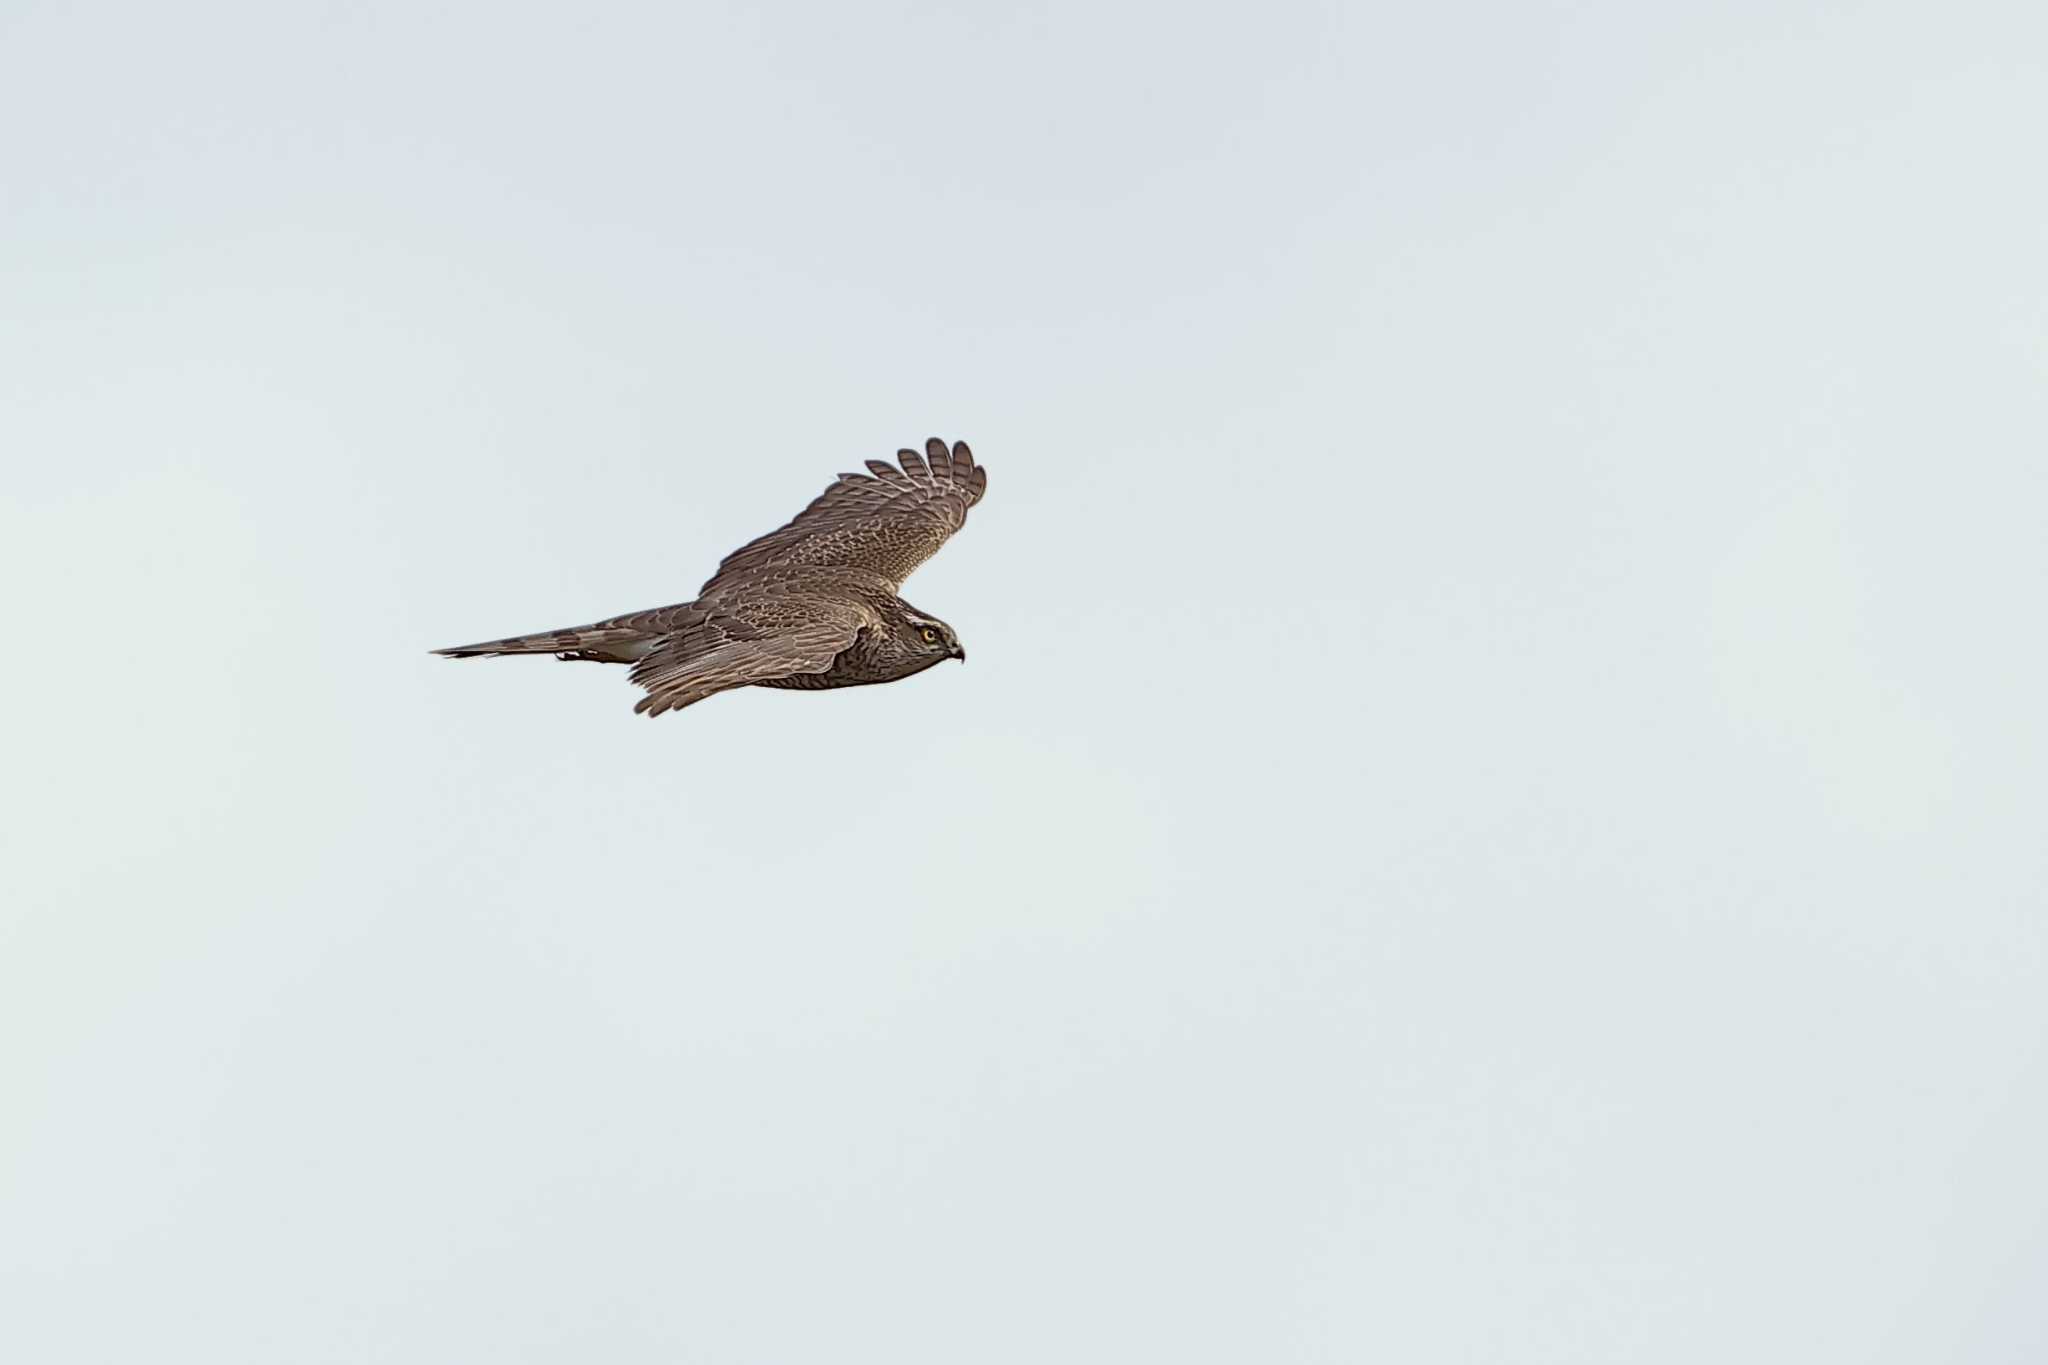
(959, 653)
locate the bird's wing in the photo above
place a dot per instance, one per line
(886, 522)
(756, 642)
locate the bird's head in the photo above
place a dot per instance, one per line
(930, 636)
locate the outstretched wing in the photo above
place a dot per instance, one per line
(721, 651)
(887, 523)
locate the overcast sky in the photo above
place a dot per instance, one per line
(1496, 812)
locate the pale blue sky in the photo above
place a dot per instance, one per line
(1496, 813)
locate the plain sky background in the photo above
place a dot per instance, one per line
(1496, 813)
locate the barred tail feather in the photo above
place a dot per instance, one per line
(600, 643)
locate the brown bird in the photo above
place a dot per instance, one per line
(812, 604)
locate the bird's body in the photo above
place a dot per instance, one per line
(811, 605)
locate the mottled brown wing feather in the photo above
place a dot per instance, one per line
(726, 651)
(887, 522)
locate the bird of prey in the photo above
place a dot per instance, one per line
(812, 604)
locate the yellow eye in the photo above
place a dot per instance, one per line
(931, 637)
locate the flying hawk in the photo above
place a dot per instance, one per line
(810, 605)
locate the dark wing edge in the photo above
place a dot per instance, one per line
(888, 520)
(721, 653)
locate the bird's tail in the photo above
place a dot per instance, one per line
(605, 644)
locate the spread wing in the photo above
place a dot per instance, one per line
(755, 642)
(887, 522)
